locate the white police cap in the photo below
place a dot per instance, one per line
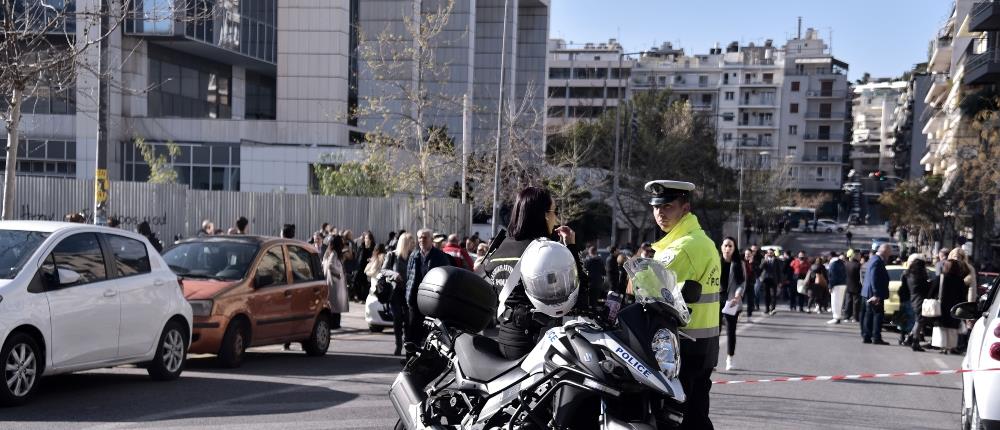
(663, 191)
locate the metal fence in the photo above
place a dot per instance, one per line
(175, 210)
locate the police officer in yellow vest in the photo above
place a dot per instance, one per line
(689, 252)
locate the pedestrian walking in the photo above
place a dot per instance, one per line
(788, 279)
(951, 289)
(594, 265)
(396, 262)
(336, 279)
(374, 265)
(732, 285)
(874, 292)
(917, 283)
(424, 258)
(850, 236)
(852, 299)
(758, 258)
(801, 266)
(817, 286)
(751, 273)
(768, 279)
(838, 287)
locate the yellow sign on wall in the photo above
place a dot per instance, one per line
(101, 186)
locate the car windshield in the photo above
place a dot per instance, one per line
(17, 246)
(227, 261)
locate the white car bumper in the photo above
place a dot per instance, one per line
(375, 312)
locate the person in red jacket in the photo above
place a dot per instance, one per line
(801, 268)
(457, 253)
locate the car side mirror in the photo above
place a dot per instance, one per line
(966, 311)
(67, 277)
(691, 291)
(263, 280)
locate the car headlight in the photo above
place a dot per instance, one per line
(667, 352)
(201, 308)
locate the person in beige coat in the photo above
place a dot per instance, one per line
(336, 279)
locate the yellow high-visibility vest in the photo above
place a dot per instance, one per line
(691, 254)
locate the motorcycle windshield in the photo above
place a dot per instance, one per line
(653, 282)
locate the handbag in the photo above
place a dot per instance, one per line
(931, 308)
(801, 287)
(820, 281)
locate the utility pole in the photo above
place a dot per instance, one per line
(102, 187)
(496, 161)
(615, 209)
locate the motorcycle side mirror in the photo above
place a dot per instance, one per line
(691, 291)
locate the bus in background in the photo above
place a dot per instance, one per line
(799, 218)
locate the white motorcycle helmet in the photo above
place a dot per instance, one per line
(548, 273)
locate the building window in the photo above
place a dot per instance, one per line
(768, 78)
(261, 96)
(727, 137)
(730, 95)
(201, 166)
(187, 86)
(43, 157)
(557, 92)
(728, 116)
(556, 111)
(559, 73)
(793, 130)
(820, 174)
(622, 73)
(795, 86)
(793, 108)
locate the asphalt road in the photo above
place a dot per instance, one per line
(346, 389)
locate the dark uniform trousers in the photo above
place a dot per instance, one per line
(698, 358)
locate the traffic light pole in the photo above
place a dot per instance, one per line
(102, 186)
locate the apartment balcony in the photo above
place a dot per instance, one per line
(702, 107)
(985, 16)
(758, 83)
(939, 87)
(827, 116)
(941, 58)
(814, 183)
(982, 69)
(758, 103)
(862, 155)
(830, 94)
(823, 137)
(754, 143)
(756, 124)
(822, 159)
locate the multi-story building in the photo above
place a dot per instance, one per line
(774, 107)
(876, 110)
(258, 91)
(908, 142)
(583, 81)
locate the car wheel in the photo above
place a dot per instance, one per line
(171, 353)
(840, 230)
(20, 360)
(234, 344)
(829, 230)
(319, 340)
(376, 328)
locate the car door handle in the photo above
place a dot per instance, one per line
(158, 283)
(288, 293)
(316, 291)
(110, 293)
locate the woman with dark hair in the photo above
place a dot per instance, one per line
(366, 249)
(915, 282)
(951, 289)
(336, 279)
(733, 283)
(534, 217)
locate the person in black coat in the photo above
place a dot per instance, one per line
(916, 282)
(421, 261)
(852, 303)
(612, 270)
(952, 290)
(534, 217)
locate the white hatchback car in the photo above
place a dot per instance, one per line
(76, 297)
(981, 390)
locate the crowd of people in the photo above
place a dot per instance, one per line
(852, 288)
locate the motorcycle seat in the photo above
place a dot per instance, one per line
(480, 358)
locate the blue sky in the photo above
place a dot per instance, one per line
(883, 37)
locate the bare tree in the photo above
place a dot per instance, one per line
(400, 112)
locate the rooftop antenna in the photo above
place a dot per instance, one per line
(800, 27)
(830, 45)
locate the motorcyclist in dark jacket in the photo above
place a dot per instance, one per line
(534, 217)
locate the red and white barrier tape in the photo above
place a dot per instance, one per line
(852, 377)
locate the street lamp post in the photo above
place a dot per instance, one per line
(615, 209)
(739, 204)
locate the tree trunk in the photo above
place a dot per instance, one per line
(10, 178)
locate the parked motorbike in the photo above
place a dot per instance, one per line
(591, 371)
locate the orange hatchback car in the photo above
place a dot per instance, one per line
(251, 291)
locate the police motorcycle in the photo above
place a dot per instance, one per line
(601, 370)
